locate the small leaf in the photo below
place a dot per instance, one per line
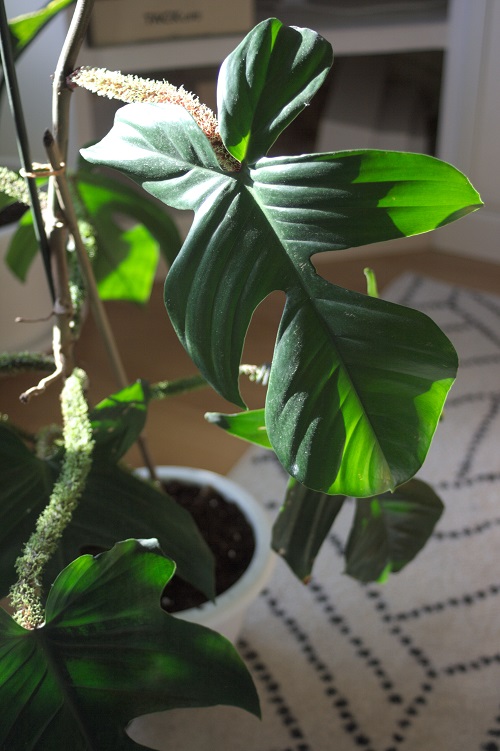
(250, 425)
(265, 83)
(118, 420)
(108, 653)
(23, 247)
(302, 526)
(389, 530)
(25, 28)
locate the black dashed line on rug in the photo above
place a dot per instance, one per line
(363, 652)
(471, 398)
(418, 655)
(486, 302)
(269, 457)
(482, 662)
(459, 534)
(466, 600)
(415, 283)
(493, 733)
(473, 321)
(274, 695)
(337, 544)
(480, 360)
(484, 478)
(478, 437)
(340, 703)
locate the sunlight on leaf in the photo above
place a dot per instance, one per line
(104, 657)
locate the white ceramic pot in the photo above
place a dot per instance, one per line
(226, 614)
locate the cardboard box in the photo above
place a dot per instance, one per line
(129, 21)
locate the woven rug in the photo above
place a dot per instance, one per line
(411, 665)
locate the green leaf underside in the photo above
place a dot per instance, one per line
(303, 523)
(115, 505)
(254, 232)
(103, 658)
(249, 426)
(388, 531)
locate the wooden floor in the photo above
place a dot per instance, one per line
(177, 432)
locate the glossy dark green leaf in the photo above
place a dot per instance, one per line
(25, 486)
(389, 530)
(129, 230)
(107, 653)
(115, 505)
(357, 385)
(265, 83)
(249, 426)
(118, 420)
(303, 523)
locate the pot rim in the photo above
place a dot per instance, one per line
(246, 589)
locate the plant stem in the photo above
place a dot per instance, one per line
(10, 78)
(61, 92)
(26, 594)
(164, 389)
(96, 303)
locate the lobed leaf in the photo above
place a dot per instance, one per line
(115, 504)
(108, 653)
(357, 385)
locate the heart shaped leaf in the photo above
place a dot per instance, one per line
(107, 653)
(389, 531)
(357, 385)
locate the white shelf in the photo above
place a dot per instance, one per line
(356, 35)
(365, 34)
(169, 54)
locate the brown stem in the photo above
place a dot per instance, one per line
(96, 304)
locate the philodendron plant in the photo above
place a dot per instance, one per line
(356, 389)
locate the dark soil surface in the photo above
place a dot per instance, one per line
(227, 533)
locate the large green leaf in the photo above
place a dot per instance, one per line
(107, 653)
(264, 84)
(357, 385)
(302, 525)
(126, 256)
(115, 505)
(388, 531)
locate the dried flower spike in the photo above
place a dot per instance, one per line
(130, 89)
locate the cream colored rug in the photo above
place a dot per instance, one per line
(412, 665)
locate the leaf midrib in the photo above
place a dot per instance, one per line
(301, 284)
